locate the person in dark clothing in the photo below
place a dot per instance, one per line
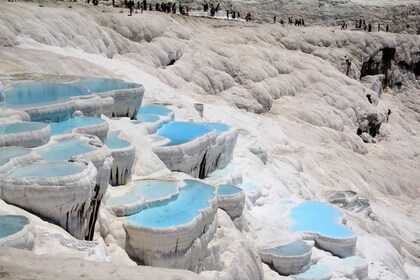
(227, 14)
(212, 10)
(131, 6)
(275, 19)
(369, 28)
(150, 6)
(302, 22)
(233, 15)
(387, 28)
(348, 65)
(379, 27)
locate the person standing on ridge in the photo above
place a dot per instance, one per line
(275, 18)
(227, 14)
(348, 65)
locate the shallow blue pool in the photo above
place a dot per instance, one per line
(39, 93)
(219, 127)
(296, 248)
(48, 169)
(315, 271)
(228, 190)
(182, 132)
(147, 118)
(11, 224)
(127, 198)
(114, 142)
(98, 85)
(320, 217)
(66, 149)
(153, 190)
(153, 109)
(21, 127)
(68, 125)
(7, 153)
(192, 198)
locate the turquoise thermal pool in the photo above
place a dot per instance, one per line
(66, 149)
(67, 126)
(314, 272)
(11, 224)
(7, 153)
(147, 118)
(39, 93)
(48, 169)
(192, 198)
(21, 127)
(153, 109)
(228, 190)
(296, 248)
(182, 132)
(154, 190)
(99, 85)
(114, 142)
(319, 217)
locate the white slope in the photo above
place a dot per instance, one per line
(293, 77)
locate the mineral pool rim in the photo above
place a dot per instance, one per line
(21, 127)
(192, 198)
(7, 153)
(11, 224)
(47, 169)
(182, 132)
(68, 125)
(228, 190)
(296, 248)
(64, 150)
(319, 217)
(113, 141)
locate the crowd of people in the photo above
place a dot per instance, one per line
(162, 7)
(361, 25)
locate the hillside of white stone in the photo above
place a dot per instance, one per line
(283, 88)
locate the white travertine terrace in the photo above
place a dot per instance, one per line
(22, 239)
(126, 101)
(55, 112)
(12, 115)
(123, 164)
(287, 264)
(201, 155)
(64, 200)
(342, 247)
(152, 127)
(182, 246)
(233, 204)
(36, 135)
(99, 130)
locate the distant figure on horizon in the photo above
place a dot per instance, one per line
(248, 16)
(233, 14)
(238, 15)
(275, 18)
(379, 27)
(369, 28)
(348, 65)
(387, 28)
(131, 6)
(212, 10)
(227, 14)
(303, 22)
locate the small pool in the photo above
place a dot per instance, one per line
(193, 197)
(127, 198)
(68, 125)
(48, 169)
(39, 93)
(21, 127)
(114, 142)
(182, 132)
(219, 127)
(296, 248)
(228, 190)
(66, 149)
(153, 109)
(153, 190)
(315, 271)
(7, 153)
(99, 85)
(11, 224)
(319, 217)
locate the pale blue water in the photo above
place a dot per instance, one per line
(99, 85)
(153, 109)
(296, 248)
(39, 93)
(147, 118)
(48, 169)
(247, 186)
(114, 142)
(11, 224)
(320, 217)
(68, 125)
(21, 127)
(315, 271)
(182, 132)
(127, 198)
(152, 189)
(354, 261)
(219, 127)
(228, 190)
(7, 153)
(193, 197)
(66, 149)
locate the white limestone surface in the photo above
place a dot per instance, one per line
(36, 136)
(122, 166)
(190, 157)
(126, 101)
(99, 130)
(64, 200)
(24, 238)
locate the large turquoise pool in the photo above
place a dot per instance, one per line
(193, 197)
(319, 217)
(182, 132)
(67, 126)
(48, 169)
